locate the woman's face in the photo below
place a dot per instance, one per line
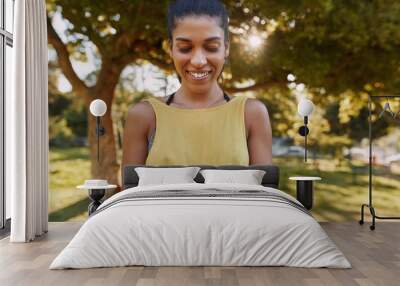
(198, 50)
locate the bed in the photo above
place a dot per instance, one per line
(201, 224)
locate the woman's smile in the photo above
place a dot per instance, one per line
(199, 75)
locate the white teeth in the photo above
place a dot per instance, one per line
(199, 75)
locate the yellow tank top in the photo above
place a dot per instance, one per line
(208, 136)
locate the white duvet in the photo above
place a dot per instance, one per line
(200, 231)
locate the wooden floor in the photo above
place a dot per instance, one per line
(375, 256)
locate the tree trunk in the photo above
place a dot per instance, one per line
(107, 167)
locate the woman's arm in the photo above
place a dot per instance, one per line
(259, 138)
(136, 130)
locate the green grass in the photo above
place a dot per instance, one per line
(68, 168)
(338, 196)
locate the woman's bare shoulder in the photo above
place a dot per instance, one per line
(140, 110)
(255, 108)
(143, 108)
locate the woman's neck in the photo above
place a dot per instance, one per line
(188, 98)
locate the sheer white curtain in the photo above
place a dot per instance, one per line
(27, 124)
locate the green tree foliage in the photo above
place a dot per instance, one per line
(337, 45)
(334, 45)
(67, 117)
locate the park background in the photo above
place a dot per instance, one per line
(335, 53)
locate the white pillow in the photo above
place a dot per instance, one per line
(163, 176)
(248, 177)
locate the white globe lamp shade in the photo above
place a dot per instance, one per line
(305, 107)
(98, 107)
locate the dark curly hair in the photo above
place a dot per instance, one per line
(182, 8)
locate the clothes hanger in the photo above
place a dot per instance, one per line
(386, 108)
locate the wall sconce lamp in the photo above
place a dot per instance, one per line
(98, 108)
(305, 108)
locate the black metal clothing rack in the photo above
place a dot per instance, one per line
(370, 204)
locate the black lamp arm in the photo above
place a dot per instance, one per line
(100, 131)
(305, 138)
(303, 131)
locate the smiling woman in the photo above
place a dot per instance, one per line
(199, 57)
(200, 123)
